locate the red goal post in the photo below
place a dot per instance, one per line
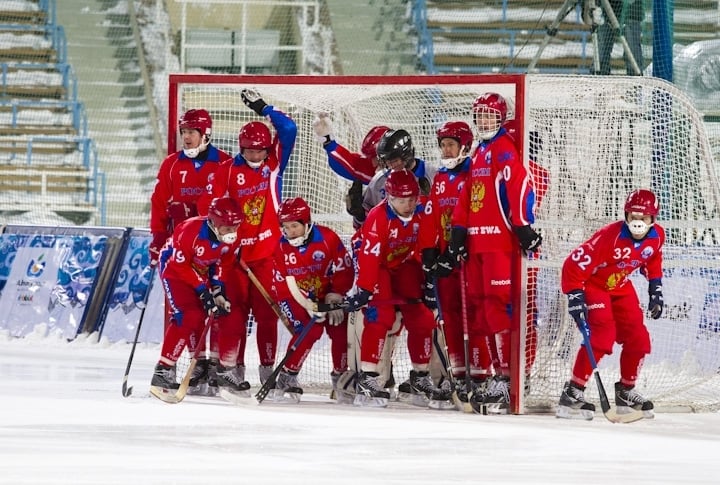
(598, 138)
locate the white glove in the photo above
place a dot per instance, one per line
(221, 300)
(323, 127)
(335, 317)
(250, 95)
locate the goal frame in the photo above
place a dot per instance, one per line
(519, 268)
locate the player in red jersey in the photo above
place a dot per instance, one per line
(181, 181)
(455, 140)
(493, 216)
(603, 301)
(193, 267)
(183, 177)
(254, 179)
(390, 277)
(320, 266)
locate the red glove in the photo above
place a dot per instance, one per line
(180, 211)
(158, 241)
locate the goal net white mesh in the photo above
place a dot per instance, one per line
(600, 138)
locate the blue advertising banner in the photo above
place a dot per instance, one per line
(127, 300)
(47, 280)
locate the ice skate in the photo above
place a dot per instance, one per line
(264, 371)
(164, 385)
(369, 391)
(628, 401)
(441, 397)
(345, 388)
(572, 403)
(478, 386)
(497, 398)
(232, 384)
(199, 380)
(417, 390)
(287, 389)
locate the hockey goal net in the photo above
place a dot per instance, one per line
(598, 138)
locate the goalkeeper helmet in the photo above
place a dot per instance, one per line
(396, 144)
(224, 212)
(200, 120)
(641, 208)
(295, 210)
(489, 112)
(369, 143)
(460, 132)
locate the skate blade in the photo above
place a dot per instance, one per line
(241, 398)
(370, 402)
(281, 397)
(199, 390)
(345, 397)
(165, 395)
(441, 405)
(566, 412)
(495, 408)
(626, 414)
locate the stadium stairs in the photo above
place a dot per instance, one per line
(47, 161)
(102, 48)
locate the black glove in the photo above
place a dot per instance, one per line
(445, 265)
(429, 258)
(429, 295)
(578, 309)
(253, 100)
(529, 239)
(457, 249)
(221, 300)
(354, 201)
(357, 301)
(656, 298)
(208, 302)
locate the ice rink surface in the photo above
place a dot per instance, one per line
(64, 421)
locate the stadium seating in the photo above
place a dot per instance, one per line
(46, 158)
(503, 36)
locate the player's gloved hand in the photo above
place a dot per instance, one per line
(180, 211)
(323, 128)
(429, 258)
(221, 300)
(445, 265)
(253, 100)
(158, 241)
(529, 239)
(335, 317)
(656, 298)
(430, 295)
(208, 302)
(578, 309)
(354, 201)
(357, 301)
(457, 249)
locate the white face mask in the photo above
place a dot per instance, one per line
(229, 238)
(451, 163)
(638, 228)
(194, 152)
(300, 240)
